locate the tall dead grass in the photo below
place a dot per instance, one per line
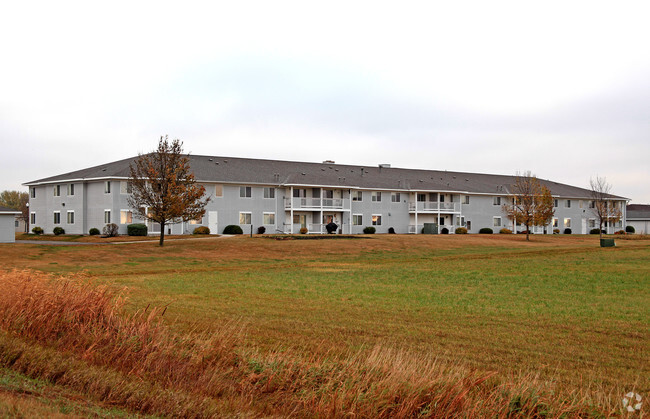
(135, 361)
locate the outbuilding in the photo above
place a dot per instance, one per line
(638, 216)
(8, 225)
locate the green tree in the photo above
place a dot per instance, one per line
(163, 187)
(16, 200)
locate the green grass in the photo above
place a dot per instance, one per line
(559, 307)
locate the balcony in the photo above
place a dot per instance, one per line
(430, 207)
(418, 229)
(314, 203)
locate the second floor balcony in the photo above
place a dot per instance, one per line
(315, 203)
(426, 206)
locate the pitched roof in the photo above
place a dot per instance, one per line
(9, 210)
(638, 211)
(278, 172)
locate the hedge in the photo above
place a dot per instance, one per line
(137, 230)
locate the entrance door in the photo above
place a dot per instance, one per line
(212, 222)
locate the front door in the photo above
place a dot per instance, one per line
(212, 222)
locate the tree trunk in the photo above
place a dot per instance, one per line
(527, 233)
(162, 233)
(600, 230)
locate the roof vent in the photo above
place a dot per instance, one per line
(210, 159)
(384, 165)
(328, 161)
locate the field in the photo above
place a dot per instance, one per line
(385, 325)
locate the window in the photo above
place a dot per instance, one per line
(198, 220)
(357, 196)
(16, 223)
(107, 186)
(555, 222)
(376, 197)
(244, 192)
(126, 187)
(592, 223)
(218, 191)
(70, 217)
(466, 199)
(567, 203)
(376, 220)
(442, 198)
(328, 194)
(57, 190)
(299, 193)
(496, 221)
(497, 200)
(300, 219)
(244, 218)
(357, 219)
(580, 203)
(395, 197)
(555, 203)
(269, 218)
(57, 217)
(33, 192)
(71, 189)
(126, 217)
(592, 204)
(32, 218)
(567, 223)
(107, 216)
(269, 193)
(422, 197)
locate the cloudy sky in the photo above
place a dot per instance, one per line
(558, 88)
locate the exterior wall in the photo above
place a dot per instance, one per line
(7, 228)
(640, 226)
(20, 225)
(90, 201)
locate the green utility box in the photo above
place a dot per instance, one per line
(430, 228)
(607, 243)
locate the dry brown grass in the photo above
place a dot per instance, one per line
(67, 331)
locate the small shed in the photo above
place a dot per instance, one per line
(8, 225)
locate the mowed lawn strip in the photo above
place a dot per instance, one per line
(558, 306)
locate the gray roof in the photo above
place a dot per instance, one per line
(277, 172)
(638, 211)
(10, 210)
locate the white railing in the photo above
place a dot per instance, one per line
(328, 203)
(434, 206)
(315, 228)
(413, 228)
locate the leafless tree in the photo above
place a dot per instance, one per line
(602, 205)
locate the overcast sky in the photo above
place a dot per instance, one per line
(558, 88)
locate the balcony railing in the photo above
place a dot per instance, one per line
(327, 203)
(434, 206)
(418, 229)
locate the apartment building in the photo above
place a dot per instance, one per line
(285, 196)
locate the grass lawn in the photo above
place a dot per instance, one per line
(558, 308)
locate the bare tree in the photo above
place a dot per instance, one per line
(602, 205)
(163, 187)
(530, 203)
